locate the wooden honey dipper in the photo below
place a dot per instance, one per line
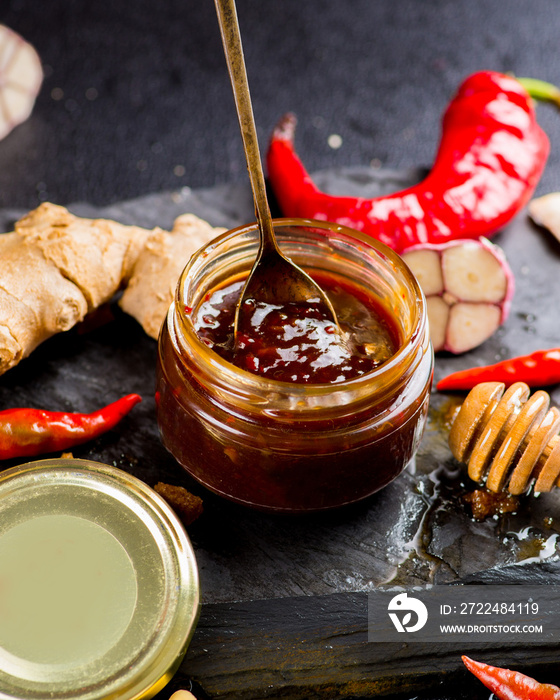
(508, 438)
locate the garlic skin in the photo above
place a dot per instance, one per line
(21, 77)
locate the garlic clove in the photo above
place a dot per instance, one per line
(470, 325)
(473, 273)
(21, 77)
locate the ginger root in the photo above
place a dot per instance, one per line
(57, 267)
(158, 267)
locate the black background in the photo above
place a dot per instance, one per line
(135, 88)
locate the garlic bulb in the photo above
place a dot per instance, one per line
(21, 77)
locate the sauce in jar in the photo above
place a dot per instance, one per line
(318, 441)
(298, 342)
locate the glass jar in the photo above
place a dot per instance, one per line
(286, 447)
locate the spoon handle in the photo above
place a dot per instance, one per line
(233, 49)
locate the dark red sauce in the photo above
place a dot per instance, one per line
(297, 342)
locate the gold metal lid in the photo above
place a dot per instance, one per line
(99, 592)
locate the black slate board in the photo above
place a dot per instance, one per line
(285, 599)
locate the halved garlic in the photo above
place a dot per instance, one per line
(468, 286)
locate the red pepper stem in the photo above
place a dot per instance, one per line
(26, 432)
(541, 90)
(511, 685)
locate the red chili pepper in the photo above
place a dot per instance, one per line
(26, 432)
(489, 161)
(540, 368)
(511, 685)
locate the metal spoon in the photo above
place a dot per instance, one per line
(274, 279)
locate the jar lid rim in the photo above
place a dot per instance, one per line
(109, 505)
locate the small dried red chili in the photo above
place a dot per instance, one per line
(511, 685)
(491, 156)
(540, 368)
(26, 432)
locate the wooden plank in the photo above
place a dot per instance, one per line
(317, 647)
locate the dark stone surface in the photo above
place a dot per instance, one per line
(415, 530)
(268, 572)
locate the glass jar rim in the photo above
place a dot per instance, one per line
(230, 371)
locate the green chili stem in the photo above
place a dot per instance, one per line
(541, 90)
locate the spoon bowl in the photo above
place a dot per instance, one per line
(274, 279)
